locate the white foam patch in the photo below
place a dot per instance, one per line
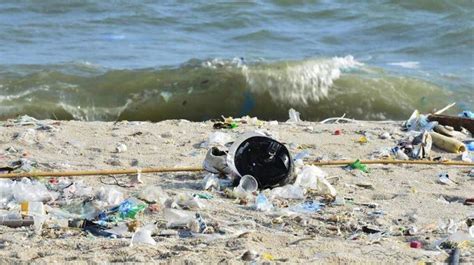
(408, 65)
(298, 82)
(91, 113)
(24, 93)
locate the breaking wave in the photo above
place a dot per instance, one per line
(205, 89)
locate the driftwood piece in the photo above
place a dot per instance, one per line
(453, 121)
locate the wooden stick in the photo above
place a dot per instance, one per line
(415, 162)
(98, 172)
(199, 169)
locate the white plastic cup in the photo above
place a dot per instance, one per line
(248, 184)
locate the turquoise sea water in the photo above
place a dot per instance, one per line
(154, 60)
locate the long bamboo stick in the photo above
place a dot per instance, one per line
(413, 162)
(198, 169)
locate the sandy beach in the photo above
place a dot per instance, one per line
(371, 225)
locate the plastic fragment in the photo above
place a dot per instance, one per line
(177, 218)
(143, 235)
(415, 244)
(262, 203)
(358, 165)
(294, 116)
(288, 192)
(444, 179)
(267, 256)
(307, 207)
(110, 196)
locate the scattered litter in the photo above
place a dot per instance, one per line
(444, 179)
(121, 148)
(307, 207)
(415, 244)
(451, 145)
(358, 165)
(262, 203)
(143, 236)
(294, 116)
(288, 192)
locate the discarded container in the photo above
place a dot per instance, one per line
(32, 208)
(337, 132)
(246, 187)
(15, 220)
(451, 145)
(262, 157)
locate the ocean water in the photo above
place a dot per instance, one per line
(197, 60)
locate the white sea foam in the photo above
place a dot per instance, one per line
(408, 65)
(298, 82)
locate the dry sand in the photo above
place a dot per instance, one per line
(406, 195)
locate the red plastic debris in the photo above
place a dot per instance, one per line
(337, 132)
(415, 244)
(53, 181)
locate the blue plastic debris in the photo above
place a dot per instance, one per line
(307, 207)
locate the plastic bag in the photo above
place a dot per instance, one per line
(143, 236)
(288, 192)
(110, 196)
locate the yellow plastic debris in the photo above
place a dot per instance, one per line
(267, 256)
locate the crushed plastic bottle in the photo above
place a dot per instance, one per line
(358, 165)
(262, 203)
(129, 208)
